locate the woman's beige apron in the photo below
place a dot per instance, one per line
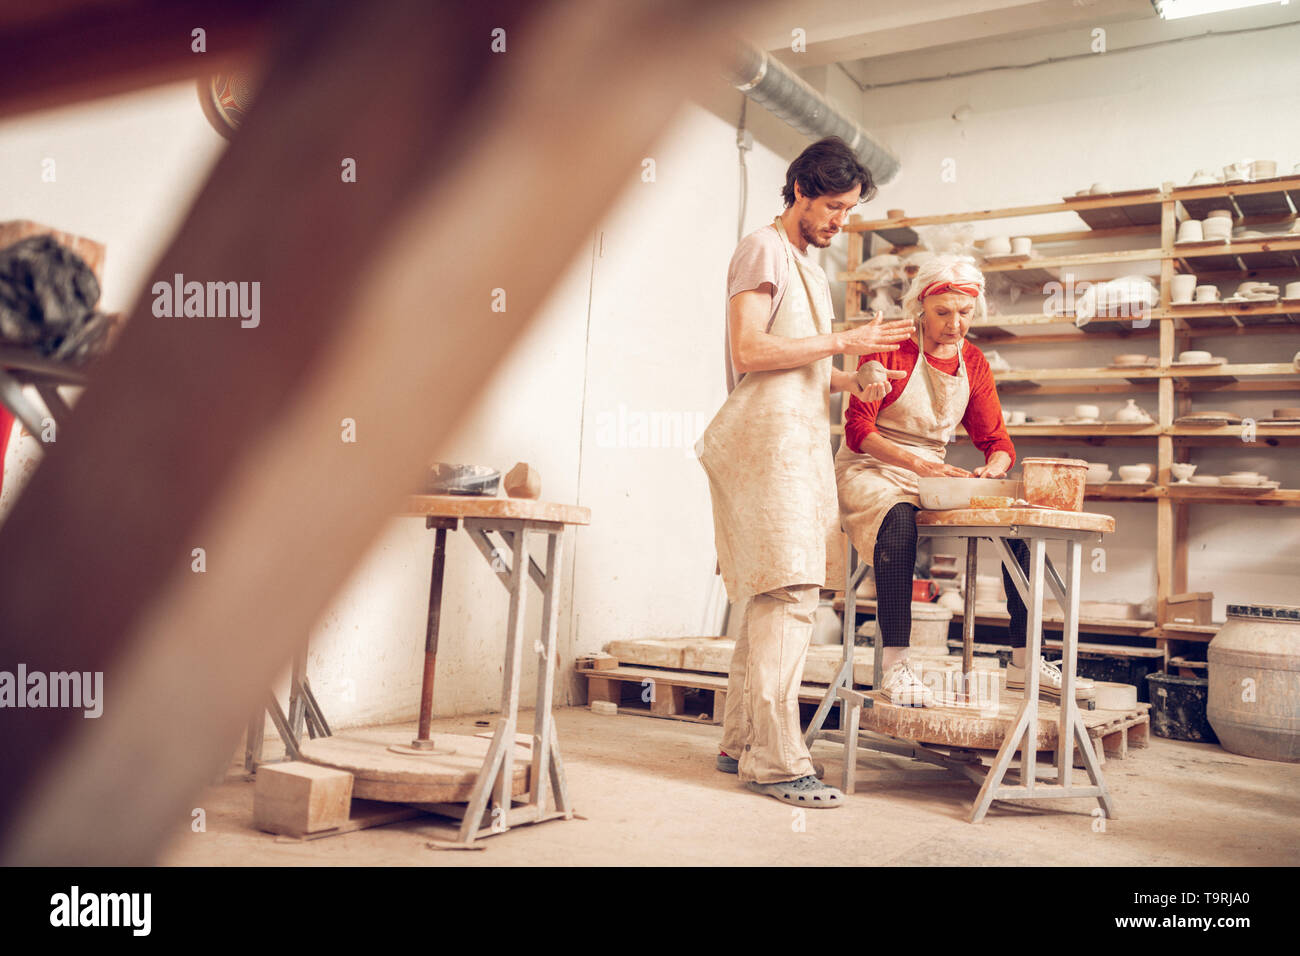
(922, 420)
(767, 454)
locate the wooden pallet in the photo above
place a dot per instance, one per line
(629, 687)
(659, 692)
(1132, 730)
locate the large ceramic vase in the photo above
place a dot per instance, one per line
(1254, 702)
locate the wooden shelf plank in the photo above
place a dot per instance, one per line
(1252, 369)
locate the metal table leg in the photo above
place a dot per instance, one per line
(423, 741)
(968, 620)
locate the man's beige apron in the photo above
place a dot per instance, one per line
(767, 454)
(922, 420)
(768, 457)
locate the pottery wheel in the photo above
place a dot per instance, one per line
(381, 774)
(956, 726)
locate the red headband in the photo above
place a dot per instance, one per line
(938, 288)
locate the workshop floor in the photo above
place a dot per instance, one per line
(647, 793)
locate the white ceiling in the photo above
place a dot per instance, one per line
(863, 35)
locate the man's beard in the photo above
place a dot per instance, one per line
(810, 236)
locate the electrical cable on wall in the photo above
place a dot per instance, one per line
(744, 142)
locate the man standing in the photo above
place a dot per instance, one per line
(767, 454)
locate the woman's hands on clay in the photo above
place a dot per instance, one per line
(996, 467)
(876, 336)
(937, 469)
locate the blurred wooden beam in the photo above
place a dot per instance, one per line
(57, 52)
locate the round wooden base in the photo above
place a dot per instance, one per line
(379, 773)
(954, 726)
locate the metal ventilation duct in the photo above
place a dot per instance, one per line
(772, 85)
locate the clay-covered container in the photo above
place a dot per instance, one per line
(1055, 482)
(1254, 701)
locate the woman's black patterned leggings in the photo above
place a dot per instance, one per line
(894, 559)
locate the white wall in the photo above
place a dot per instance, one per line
(1131, 120)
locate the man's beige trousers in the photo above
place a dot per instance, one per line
(761, 726)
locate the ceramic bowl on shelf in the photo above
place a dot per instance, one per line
(1135, 472)
(1205, 479)
(1087, 411)
(1133, 414)
(1189, 230)
(1182, 471)
(1195, 356)
(1098, 472)
(997, 246)
(1220, 214)
(1207, 293)
(1131, 359)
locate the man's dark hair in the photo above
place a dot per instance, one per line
(827, 167)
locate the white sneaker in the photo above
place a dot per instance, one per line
(1049, 679)
(902, 686)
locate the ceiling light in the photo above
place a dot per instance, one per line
(1177, 9)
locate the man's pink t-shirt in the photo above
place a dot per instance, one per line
(759, 258)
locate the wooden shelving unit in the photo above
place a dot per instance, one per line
(1149, 218)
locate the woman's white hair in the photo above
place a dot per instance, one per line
(945, 268)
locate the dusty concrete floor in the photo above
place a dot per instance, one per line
(650, 795)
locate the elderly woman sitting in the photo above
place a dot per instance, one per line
(890, 442)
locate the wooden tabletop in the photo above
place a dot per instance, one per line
(1025, 517)
(476, 506)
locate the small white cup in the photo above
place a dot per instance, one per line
(1086, 411)
(1017, 417)
(997, 246)
(1292, 290)
(1182, 287)
(1189, 230)
(1135, 472)
(1021, 245)
(1207, 293)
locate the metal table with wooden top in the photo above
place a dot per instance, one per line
(511, 520)
(1000, 526)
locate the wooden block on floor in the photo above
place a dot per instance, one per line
(596, 662)
(300, 798)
